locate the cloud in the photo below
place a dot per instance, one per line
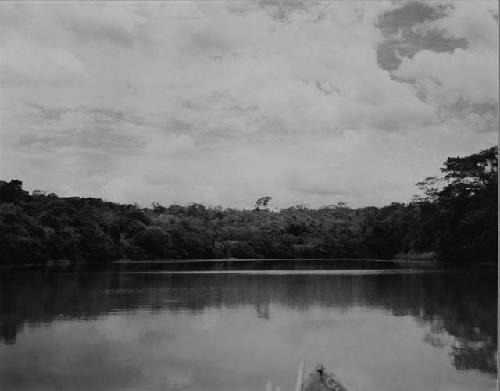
(82, 128)
(406, 30)
(450, 76)
(474, 22)
(462, 82)
(102, 22)
(224, 102)
(174, 144)
(23, 61)
(284, 10)
(121, 188)
(317, 186)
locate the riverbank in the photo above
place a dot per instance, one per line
(227, 264)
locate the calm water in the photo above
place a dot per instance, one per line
(160, 331)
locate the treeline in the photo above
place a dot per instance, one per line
(453, 220)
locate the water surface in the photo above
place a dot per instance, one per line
(384, 330)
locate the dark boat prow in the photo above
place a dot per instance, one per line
(321, 379)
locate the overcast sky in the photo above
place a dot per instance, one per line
(223, 102)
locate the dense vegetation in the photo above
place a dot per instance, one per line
(453, 220)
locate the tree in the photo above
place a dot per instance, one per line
(455, 219)
(12, 191)
(470, 175)
(262, 202)
(468, 207)
(430, 187)
(154, 241)
(158, 209)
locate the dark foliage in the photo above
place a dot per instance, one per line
(455, 221)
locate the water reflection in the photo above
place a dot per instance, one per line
(342, 318)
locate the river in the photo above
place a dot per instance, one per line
(380, 330)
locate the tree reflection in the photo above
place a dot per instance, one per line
(459, 308)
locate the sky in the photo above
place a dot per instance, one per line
(220, 103)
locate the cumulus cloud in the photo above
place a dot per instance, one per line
(473, 21)
(442, 77)
(462, 82)
(171, 145)
(223, 102)
(22, 61)
(101, 22)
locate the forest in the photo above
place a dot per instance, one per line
(453, 220)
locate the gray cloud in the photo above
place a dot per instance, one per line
(48, 114)
(439, 36)
(217, 102)
(309, 186)
(402, 38)
(282, 9)
(97, 137)
(408, 14)
(108, 25)
(99, 115)
(209, 42)
(484, 116)
(108, 33)
(279, 10)
(87, 128)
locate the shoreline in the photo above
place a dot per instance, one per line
(228, 262)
